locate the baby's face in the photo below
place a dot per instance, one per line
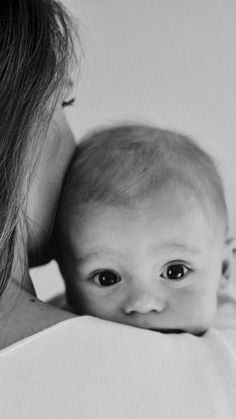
(155, 266)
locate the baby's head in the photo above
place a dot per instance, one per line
(143, 230)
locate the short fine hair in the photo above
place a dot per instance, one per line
(123, 164)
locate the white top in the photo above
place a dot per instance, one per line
(90, 368)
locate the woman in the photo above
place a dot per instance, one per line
(36, 57)
(75, 367)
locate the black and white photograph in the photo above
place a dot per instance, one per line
(117, 209)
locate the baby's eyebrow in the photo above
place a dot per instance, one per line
(91, 254)
(86, 257)
(177, 246)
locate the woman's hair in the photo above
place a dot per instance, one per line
(124, 164)
(36, 49)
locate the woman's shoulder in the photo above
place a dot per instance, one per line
(23, 315)
(87, 367)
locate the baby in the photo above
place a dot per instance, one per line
(142, 230)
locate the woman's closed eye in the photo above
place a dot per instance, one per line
(68, 102)
(176, 272)
(106, 278)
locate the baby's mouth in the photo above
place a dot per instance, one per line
(166, 331)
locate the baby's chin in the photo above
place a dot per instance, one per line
(193, 329)
(198, 330)
(195, 332)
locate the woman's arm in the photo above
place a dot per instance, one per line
(46, 185)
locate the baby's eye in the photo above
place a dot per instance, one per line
(175, 272)
(106, 278)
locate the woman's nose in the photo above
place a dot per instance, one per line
(143, 302)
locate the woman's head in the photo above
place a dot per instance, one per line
(36, 49)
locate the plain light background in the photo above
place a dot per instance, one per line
(167, 62)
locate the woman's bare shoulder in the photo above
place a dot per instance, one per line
(25, 316)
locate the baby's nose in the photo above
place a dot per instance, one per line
(143, 303)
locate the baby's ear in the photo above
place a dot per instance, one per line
(228, 259)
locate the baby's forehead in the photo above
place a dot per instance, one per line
(187, 191)
(172, 189)
(172, 206)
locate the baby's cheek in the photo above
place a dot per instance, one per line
(99, 302)
(205, 312)
(79, 298)
(103, 307)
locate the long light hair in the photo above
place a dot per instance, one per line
(36, 49)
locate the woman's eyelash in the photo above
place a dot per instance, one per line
(69, 102)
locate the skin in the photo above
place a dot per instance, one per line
(158, 265)
(43, 196)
